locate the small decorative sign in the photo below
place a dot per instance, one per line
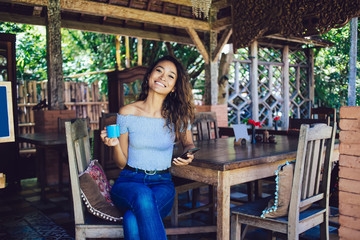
(240, 131)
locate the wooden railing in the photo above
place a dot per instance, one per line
(84, 98)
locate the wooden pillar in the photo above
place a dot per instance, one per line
(285, 88)
(54, 56)
(253, 81)
(352, 62)
(237, 88)
(310, 55)
(127, 54)
(211, 64)
(139, 51)
(211, 71)
(118, 52)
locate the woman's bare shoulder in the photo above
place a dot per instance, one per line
(130, 109)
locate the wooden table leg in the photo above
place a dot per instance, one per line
(40, 153)
(223, 206)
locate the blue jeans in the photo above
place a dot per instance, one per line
(145, 200)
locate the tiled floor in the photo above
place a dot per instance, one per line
(24, 216)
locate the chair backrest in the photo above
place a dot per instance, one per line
(61, 123)
(78, 147)
(105, 154)
(205, 126)
(312, 167)
(295, 123)
(105, 120)
(324, 113)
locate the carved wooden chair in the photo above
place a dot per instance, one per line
(295, 123)
(63, 158)
(310, 185)
(78, 147)
(205, 126)
(324, 113)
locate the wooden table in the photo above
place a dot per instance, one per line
(221, 163)
(44, 141)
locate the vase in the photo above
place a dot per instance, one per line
(276, 127)
(253, 134)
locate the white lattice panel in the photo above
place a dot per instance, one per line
(270, 86)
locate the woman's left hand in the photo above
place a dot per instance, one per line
(181, 161)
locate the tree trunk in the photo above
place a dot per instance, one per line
(54, 56)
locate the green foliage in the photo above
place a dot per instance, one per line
(30, 50)
(332, 69)
(90, 52)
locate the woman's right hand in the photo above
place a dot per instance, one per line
(111, 142)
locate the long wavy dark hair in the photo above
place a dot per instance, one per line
(178, 107)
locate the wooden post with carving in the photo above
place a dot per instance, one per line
(286, 88)
(54, 57)
(254, 81)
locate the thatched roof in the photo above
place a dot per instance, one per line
(298, 18)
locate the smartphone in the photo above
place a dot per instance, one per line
(193, 150)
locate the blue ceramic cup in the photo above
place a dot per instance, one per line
(113, 131)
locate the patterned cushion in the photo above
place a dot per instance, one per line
(279, 206)
(95, 191)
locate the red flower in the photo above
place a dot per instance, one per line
(277, 118)
(252, 122)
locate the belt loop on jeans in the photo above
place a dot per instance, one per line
(148, 172)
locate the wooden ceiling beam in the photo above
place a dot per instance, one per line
(221, 24)
(28, 2)
(119, 12)
(224, 39)
(298, 40)
(198, 43)
(18, 18)
(220, 4)
(131, 32)
(179, 2)
(91, 27)
(101, 9)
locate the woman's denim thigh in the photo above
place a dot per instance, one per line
(149, 197)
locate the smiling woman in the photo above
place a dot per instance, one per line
(163, 112)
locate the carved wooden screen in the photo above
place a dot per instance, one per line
(299, 85)
(270, 77)
(269, 83)
(239, 101)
